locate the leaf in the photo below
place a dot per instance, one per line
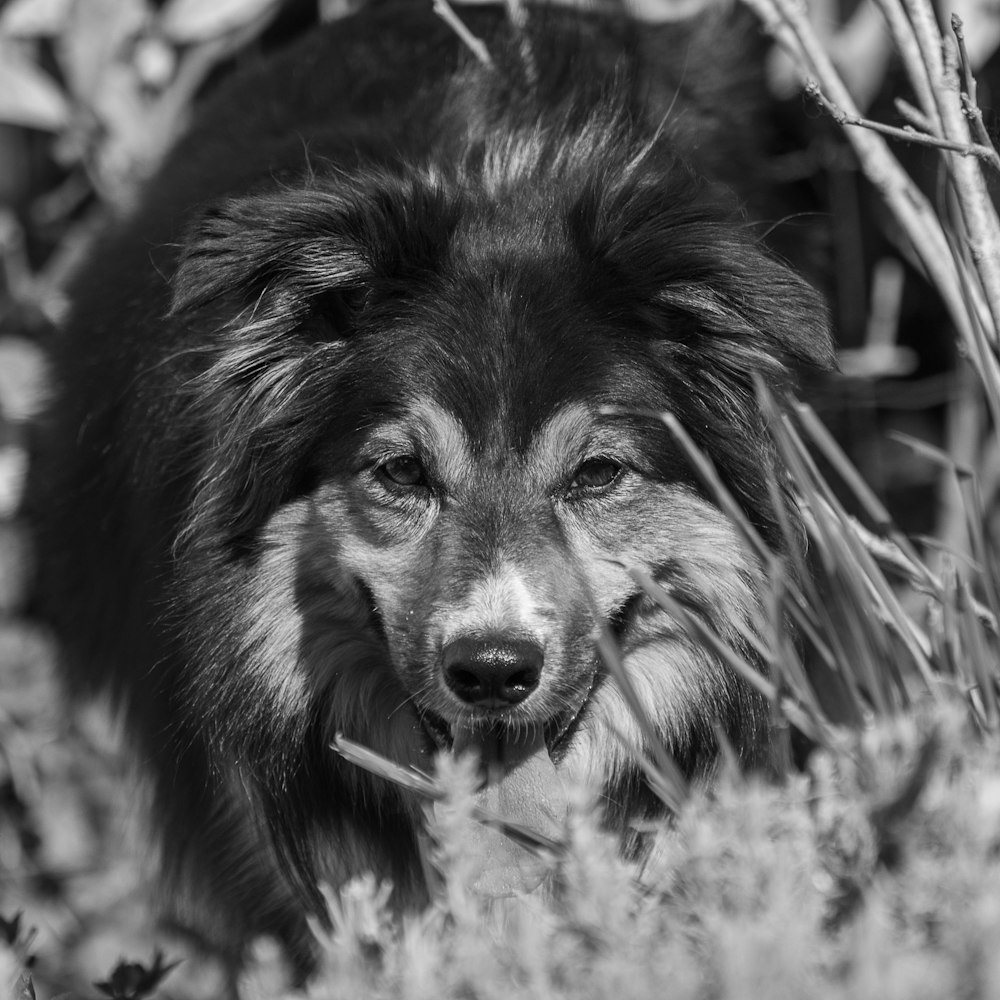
(24, 988)
(334, 10)
(186, 21)
(133, 980)
(27, 95)
(96, 41)
(34, 18)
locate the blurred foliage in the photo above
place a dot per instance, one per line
(874, 874)
(114, 79)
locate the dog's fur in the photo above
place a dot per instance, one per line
(358, 402)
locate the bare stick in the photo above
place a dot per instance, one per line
(905, 134)
(916, 69)
(970, 105)
(787, 22)
(978, 212)
(940, 63)
(444, 10)
(914, 116)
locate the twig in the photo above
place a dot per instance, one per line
(940, 61)
(476, 46)
(916, 69)
(905, 134)
(862, 49)
(786, 21)
(978, 213)
(970, 104)
(914, 116)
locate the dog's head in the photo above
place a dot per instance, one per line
(432, 410)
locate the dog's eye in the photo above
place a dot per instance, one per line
(595, 474)
(403, 470)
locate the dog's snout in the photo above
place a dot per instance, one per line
(492, 673)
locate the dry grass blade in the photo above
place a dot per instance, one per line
(708, 474)
(673, 787)
(801, 607)
(693, 625)
(429, 788)
(886, 653)
(979, 657)
(874, 507)
(406, 777)
(986, 563)
(666, 786)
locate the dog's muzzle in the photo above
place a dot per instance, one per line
(490, 677)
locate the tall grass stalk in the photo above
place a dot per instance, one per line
(905, 625)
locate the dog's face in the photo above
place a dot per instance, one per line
(492, 565)
(437, 460)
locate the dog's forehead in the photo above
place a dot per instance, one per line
(510, 383)
(571, 429)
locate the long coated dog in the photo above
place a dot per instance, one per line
(354, 430)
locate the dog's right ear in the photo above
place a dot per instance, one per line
(269, 280)
(277, 282)
(264, 263)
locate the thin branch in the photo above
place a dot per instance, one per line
(916, 69)
(970, 103)
(978, 213)
(982, 233)
(476, 46)
(785, 20)
(914, 116)
(905, 134)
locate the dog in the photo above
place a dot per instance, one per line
(354, 430)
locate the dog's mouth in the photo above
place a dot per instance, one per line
(556, 732)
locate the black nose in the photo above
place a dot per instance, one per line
(492, 673)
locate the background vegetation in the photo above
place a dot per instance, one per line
(872, 868)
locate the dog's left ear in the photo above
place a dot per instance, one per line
(700, 276)
(751, 310)
(717, 310)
